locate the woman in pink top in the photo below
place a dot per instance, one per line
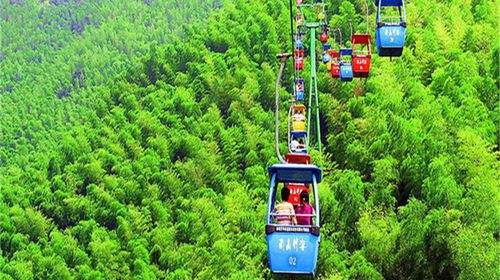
(304, 209)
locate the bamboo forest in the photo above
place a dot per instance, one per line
(249, 139)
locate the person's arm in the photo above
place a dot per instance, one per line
(294, 219)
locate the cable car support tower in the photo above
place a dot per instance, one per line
(304, 25)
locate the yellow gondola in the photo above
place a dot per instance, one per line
(298, 118)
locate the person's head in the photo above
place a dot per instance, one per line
(285, 193)
(301, 141)
(304, 197)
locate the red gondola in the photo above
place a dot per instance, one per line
(323, 37)
(335, 66)
(361, 55)
(299, 59)
(299, 63)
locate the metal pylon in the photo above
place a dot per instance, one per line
(313, 89)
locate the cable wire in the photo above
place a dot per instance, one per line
(283, 57)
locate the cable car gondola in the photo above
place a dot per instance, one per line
(323, 37)
(298, 40)
(326, 54)
(335, 66)
(299, 89)
(345, 65)
(299, 59)
(391, 28)
(361, 55)
(299, 44)
(293, 249)
(299, 20)
(298, 118)
(298, 140)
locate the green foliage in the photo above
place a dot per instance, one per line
(135, 136)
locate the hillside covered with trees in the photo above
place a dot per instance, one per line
(135, 138)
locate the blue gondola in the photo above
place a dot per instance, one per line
(391, 29)
(293, 249)
(299, 89)
(326, 56)
(301, 137)
(299, 96)
(346, 74)
(299, 44)
(298, 41)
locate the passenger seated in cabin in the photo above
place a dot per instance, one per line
(299, 116)
(294, 145)
(301, 145)
(299, 121)
(299, 87)
(285, 215)
(304, 208)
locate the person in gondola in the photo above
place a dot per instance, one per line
(294, 145)
(304, 208)
(285, 215)
(299, 121)
(298, 116)
(301, 145)
(299, 86)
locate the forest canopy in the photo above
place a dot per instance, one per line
(135, 138)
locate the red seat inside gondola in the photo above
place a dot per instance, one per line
(361, 55)
(295, 190)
